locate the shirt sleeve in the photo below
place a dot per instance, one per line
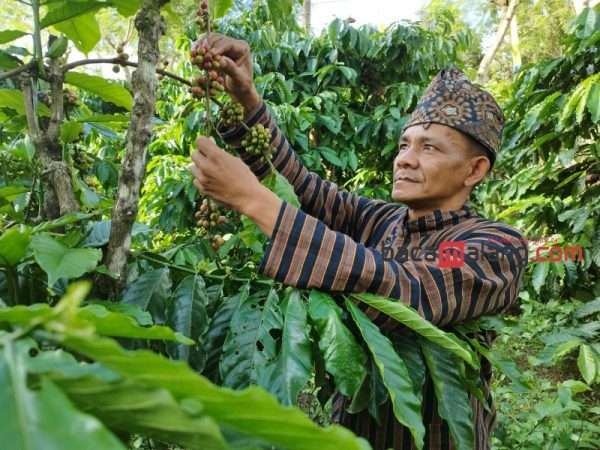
(342, 211)
(305, 253)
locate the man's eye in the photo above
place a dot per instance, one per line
(429, 147)
(402, 147)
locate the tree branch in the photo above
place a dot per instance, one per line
(121, 62)
(17, 70)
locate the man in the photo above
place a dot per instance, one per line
(342, 242)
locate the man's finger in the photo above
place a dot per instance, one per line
(232, 69)
(232, 48)
(208, 147)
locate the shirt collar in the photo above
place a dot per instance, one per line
(437, 220)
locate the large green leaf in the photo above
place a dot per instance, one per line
(411, 319)
(586, 362)
(251, 348)
(150, 292)
(188, 317)
(295, 359)
(218, 330)
(344, 358)
(67, 10)
(593, 102)
(395, 376)
(13, 245)
(59, 261)
(104, 321)
(43, 418)
(83, 30)
(453, 402)
(251, 411)
(13, 99)
(10, 35)
(107, 90)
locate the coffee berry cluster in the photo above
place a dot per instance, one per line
(202, 16)
(231, 115)
(209, 64)
(209, 217)
(121, 56)
(257, 140)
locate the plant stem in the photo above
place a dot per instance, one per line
(37, 36)
(17, 70)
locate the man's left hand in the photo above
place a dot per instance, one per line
(228, 180)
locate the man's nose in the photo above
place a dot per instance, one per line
(407, 158)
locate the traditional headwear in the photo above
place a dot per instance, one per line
(452, 100)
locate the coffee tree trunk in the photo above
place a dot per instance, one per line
(150, 27)
(55, 176)
(482, 73)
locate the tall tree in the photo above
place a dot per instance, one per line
(307, 15)
(150, 27)
(482, 73)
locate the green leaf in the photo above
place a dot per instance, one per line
(109, 91)
(285, 190)
(116, 324)
(344, 359)
(70, 131)
(218, 8)
(330, 155)
(10, 35)
(294, 365)
(453, 401)
(66, 10)
(507, 366)
(13, 245)
(13, 99)
(588, 309)
(8, 61)
(126, 8)
(150, 292)
(411, 319)
(44, 417)
(59, 261)
(586, 362)
(538, 277)
(83, 30)
(188, 317)
(218, 330)
(251, 348)
(129, 407)
(282, 426)
(395, 376)
(593, 102)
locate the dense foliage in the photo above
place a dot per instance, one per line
(245, 346)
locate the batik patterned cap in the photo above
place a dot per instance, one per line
(452, 100)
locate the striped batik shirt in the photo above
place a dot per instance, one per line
(342, 242)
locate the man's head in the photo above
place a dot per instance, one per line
(448, 145)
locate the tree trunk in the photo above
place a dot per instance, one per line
(55, 176)
(150, 27)
(307, 15)
(482, 73)
(514, 44)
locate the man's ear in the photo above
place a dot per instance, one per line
(479, 167)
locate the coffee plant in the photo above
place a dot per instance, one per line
(143, 323)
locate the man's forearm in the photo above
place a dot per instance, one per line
(263, 208)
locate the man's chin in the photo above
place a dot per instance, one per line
(403, 197)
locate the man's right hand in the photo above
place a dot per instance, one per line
(236, 62)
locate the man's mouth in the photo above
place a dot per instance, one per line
(404, 178)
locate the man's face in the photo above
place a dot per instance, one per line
(431, 166)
